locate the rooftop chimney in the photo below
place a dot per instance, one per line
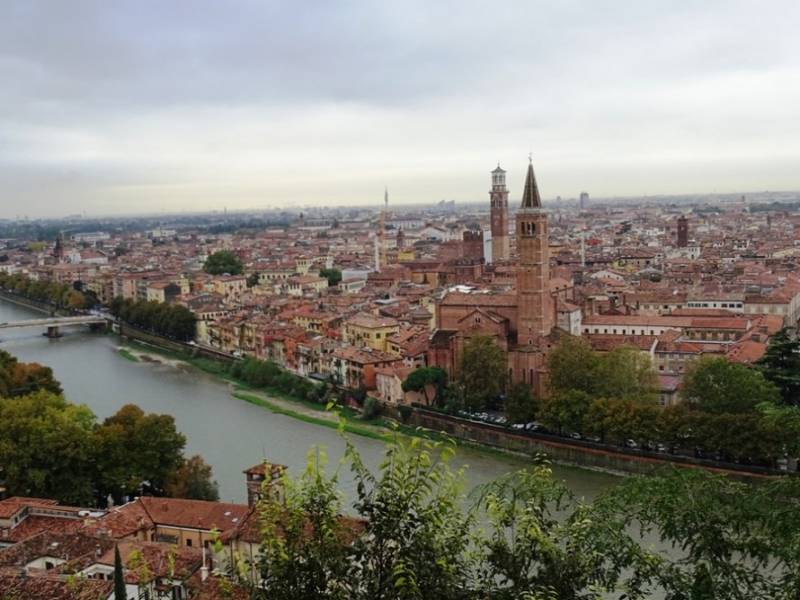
(204, 568)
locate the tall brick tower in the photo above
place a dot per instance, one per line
(683, 231)
(498, 197)
(534, 303)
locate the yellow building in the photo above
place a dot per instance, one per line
(230, 286)
(366, 330)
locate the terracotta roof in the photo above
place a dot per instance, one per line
(52, 588)
(162, 560)
(365, 356)
(746, 351)
(122, 521)
(478, 299)
(64, 546)
(196, 514)
(261, 469)
(369, 321)
(646, 320)
(721, 323)
(607, 342)
(215, 588)
(33, 525)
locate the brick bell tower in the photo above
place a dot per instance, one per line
(535, 316)
(498, 198)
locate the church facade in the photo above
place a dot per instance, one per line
(521, 321)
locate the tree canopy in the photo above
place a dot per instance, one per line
(51, 448)
(413, 535)
(572, 365)
(170, 320)
(521, 406)
(716, 385)
(58, 295)
(223, 262)
(482, 373)
(781, 364)
(334, 276)
(624, 373)
(192, 479)
(424, 378)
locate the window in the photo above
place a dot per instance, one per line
(189, 542)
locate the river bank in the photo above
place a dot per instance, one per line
(482, 437)
(39, 307)
(341, 419)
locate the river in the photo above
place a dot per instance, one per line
(229, 433)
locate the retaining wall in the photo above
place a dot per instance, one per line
(581, 453)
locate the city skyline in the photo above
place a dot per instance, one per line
(130, 109)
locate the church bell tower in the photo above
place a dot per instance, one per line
(498, 198)
(534, 302)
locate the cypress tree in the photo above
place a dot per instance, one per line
(119, 580)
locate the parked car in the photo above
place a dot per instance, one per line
(631, 444)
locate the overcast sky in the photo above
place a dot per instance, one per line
(115, 107)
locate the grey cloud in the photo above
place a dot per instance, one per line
(110, 90)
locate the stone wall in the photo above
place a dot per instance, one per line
(147, 337)
(576, 452)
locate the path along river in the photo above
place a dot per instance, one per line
(229, 433)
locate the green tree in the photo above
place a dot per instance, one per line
(737, 540)
(566, 411)
(626, 373)
(26, 378)
(415, 533)
(305, 543)
(253, 280)
(716, 385)
(781, 364)
(543, 544)
(7, 366)
(45, 447)
(193, 480)
(120, 593)
(424, 378)
(521, 406)
(132, 447)
(223, 262)
(572, 365)
(482, 372)
(334, 276)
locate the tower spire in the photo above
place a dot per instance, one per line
(530, 194)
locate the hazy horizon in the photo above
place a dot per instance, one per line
(145, 107)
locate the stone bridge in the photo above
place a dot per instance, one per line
(53, 324)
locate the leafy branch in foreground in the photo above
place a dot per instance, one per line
(417, 536)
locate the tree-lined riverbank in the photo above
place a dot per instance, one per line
(229, 433)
